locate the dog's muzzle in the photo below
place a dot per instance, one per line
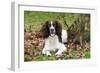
(52, 32)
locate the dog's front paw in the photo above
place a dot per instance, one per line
(58, 54)
(48, 53)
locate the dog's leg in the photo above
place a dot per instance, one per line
(46, 49)
(43, 51)
(61, 49)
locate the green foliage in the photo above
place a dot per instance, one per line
(34, 19)
(44, 57)
(87, 55)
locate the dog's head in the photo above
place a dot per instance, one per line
(51, 28)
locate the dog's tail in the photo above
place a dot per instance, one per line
(64, 36)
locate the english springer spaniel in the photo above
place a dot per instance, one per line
(54, 38)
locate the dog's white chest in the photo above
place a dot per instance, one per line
(52, 42)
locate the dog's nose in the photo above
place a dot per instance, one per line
(52, 30)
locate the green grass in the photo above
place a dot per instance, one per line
(34, 18)
(87, 55)
(65, 56)
(53, 57)
(44, 58)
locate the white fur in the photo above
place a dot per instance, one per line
(52, 43)
(64, 36)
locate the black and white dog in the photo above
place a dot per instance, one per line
(54, 38)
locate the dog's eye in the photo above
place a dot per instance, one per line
(54, 24)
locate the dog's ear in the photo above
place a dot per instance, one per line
(58, 30)
(45, 30)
